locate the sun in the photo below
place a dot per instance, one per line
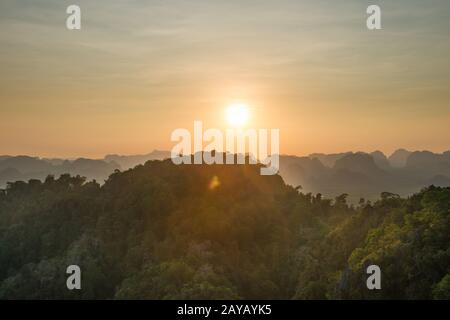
(237, 114)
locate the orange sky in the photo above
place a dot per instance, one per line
(135, 72)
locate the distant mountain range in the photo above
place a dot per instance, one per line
(15, 168)
(26, 168)
(364, 175)
(359, 174)
(128, 162)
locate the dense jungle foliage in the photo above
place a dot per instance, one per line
(161, 231)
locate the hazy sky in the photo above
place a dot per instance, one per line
(137, 70)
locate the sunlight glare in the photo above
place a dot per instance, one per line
(237, 114)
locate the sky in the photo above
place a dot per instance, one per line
(137, 70)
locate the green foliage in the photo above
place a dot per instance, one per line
(160, 231)
(442, 290)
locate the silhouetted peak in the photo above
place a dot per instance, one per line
(399, 157)
(329, 159)
(358, 162)
(380, 159)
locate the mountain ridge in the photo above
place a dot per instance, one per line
(359, 174)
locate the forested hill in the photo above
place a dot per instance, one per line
(161, 231)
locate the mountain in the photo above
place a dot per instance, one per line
(381, 160)
(14, 168)
(54, 161)
(127, 162)
(359, 174)
(26, 168)
(26, 164)
(363, 175)
(165, 231)
(300, 170)
(428, 163)
(399, 157)
(93, 169)
(360, 163)
(354, 173)
(329, 159)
